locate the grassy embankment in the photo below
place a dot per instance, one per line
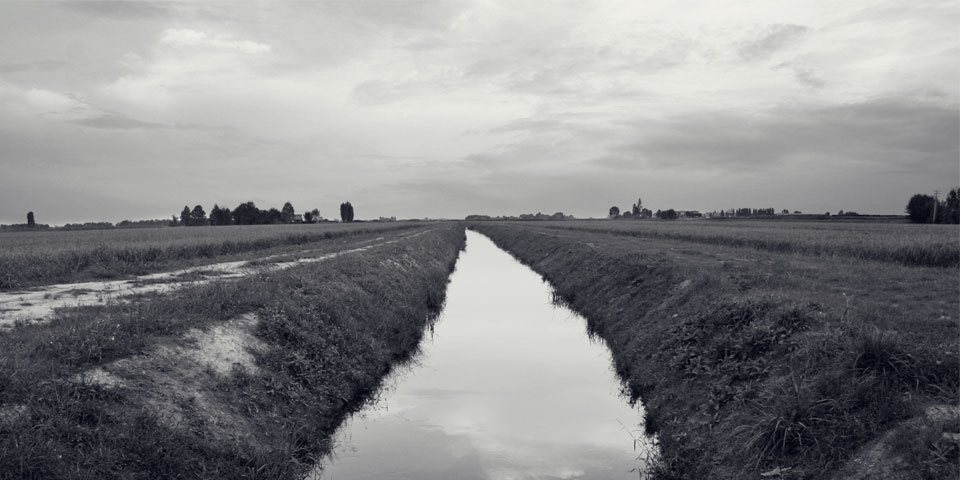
(41, 258)
(323, 336)
(749, 361)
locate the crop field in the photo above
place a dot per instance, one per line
(45, 257)
(238, 378)
(771, 350)
(907, 244)
(792, 350)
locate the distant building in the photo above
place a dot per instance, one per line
(297, 218)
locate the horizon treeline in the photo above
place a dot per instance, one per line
(924, 208)
(248, 213)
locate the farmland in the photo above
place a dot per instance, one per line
(794, 351)
(927, 245)
(229, 379)
(42, 258)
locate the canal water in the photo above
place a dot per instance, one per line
(507, 386)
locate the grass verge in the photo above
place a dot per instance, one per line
(757, 368)
(328, 333)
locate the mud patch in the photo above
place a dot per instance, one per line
(178, 382)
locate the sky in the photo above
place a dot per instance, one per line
(445, 108)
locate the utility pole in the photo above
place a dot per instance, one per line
(936, 201)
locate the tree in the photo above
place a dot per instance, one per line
(670, 214)
(951, 206)
(614, 212)
(287, 213)
(307, 217)
(346, 212)
(246, 214)
(219, 216)
(270, 216)
(31, 223)
(920, 208)
(316, 215)
(198, 217)
(638, 207)
(185, 216)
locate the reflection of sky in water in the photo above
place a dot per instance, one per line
(509, 387)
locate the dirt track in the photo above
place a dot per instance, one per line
(40, 303)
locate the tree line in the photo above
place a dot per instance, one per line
(248, 213)
(923, 208)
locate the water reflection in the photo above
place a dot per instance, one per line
(508, 387)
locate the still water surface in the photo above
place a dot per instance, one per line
(508, 386)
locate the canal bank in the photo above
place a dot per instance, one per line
(239, 379)
(508, 384)
(758, 365)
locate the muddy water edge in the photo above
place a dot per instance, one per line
(128, 390)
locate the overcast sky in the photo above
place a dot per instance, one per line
(112, 111)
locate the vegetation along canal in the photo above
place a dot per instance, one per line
(509, 385)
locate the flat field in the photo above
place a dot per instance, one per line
(770, 350)
(46, 257)
(907, 244)
(239, 378)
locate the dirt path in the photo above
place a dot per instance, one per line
(40, 303)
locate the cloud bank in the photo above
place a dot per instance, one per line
(446, 108)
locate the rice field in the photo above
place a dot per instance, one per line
(906, 244)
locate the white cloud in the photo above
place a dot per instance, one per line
(184, 39)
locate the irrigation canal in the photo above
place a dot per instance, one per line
(508, 386)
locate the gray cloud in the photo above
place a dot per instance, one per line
(445, 108)
(115, 122)
(809, 78)
(119, 9)
(23, 67)
(413, 14)
(880, 134)
(772, 39)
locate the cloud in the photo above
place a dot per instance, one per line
(116, 122)
(23, 67)
(876, 134)
(118, 9)
(185, 63)
(412, 14)
(525, 105)
(186, 39)
(772, 39)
